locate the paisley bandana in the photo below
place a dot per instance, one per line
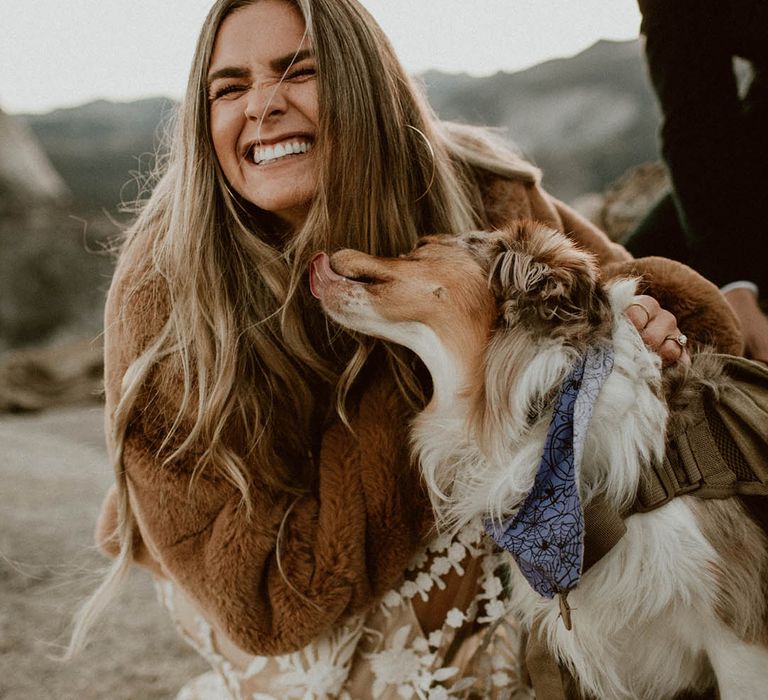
(546, 535)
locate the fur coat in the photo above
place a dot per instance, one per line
(349, 542)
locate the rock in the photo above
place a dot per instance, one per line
(40, 378)
(590, 206)
(626, 201)
(55, 267)
(25, 171)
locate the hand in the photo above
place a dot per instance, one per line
(658, 329)
(754, 323)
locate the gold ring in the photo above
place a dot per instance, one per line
(681, 339)
(647, 313)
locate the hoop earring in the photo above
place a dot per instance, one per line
(432, 156)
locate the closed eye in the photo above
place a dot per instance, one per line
(365, 279)
(302, 73)
(231, 89)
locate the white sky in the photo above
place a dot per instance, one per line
(56, 53)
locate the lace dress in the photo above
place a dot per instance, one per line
(382, 653)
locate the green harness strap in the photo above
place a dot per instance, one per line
(723, 453)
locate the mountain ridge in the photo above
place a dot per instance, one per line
(584, 120)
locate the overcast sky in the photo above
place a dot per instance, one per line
(56, 53)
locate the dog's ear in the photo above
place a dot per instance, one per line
(540, 278)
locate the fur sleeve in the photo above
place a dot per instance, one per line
(701, 311)
(340, 547)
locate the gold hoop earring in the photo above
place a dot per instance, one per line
(432, 156)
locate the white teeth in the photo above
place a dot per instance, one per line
(271, 153)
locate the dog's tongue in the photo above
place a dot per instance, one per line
(321, 274)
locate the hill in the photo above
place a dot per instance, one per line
(584, 120)
(98, 147)
(51, 283)
(27, 176)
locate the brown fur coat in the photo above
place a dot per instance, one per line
(350, 541)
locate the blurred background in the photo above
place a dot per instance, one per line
(86, 90)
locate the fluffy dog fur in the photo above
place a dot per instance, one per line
(498, 319)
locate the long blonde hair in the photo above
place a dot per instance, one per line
(254, 353)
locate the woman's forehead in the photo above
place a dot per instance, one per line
(262, 33)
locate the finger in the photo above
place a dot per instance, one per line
(661, 335)
(638, 315)
(659, 331)
(671, 351)
(641, 310)
(661, 325)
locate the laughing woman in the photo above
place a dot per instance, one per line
(261, 456)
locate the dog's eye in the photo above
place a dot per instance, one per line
(365, 279)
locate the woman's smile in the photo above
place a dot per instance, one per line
(265, 154)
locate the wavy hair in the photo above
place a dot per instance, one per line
(248, 343)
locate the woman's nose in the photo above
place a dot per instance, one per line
(264, 101)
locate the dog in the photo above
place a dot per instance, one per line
(500, 319)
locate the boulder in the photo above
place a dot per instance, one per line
(65, 373)
(26, 173)
(621, 207)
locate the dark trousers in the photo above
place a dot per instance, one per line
(714, 137)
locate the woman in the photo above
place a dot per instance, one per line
(261, 456)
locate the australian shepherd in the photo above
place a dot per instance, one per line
(500, 319)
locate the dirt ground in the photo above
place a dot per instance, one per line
(53, 474)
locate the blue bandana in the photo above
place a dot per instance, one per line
(546, 535)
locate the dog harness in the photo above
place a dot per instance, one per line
(722, 453)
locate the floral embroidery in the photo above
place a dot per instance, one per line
(382, 654)
(455, 618)
(406, 667)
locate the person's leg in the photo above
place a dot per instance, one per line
(706, 143)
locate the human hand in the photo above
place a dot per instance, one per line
(658, 329)
(754, 323)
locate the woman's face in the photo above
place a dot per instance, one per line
(263, 106)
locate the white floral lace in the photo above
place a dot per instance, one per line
(382, 654)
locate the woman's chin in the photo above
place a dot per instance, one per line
(288, 198)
